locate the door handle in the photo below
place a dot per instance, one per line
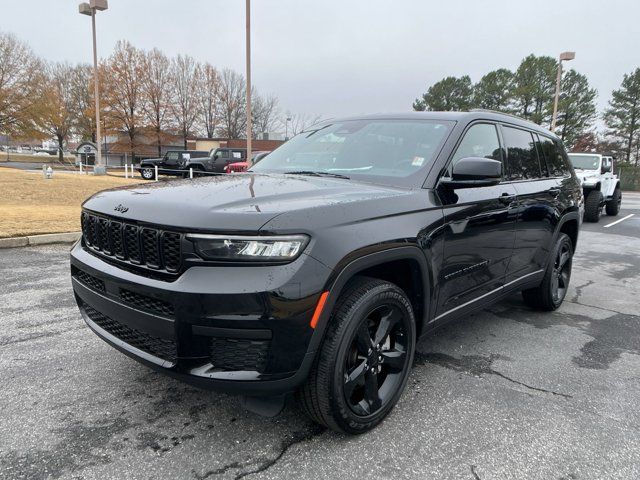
(554, 192)
(507, 198)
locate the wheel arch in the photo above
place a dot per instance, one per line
(569, 224)
(391, 265)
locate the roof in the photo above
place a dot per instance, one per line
(452, 116)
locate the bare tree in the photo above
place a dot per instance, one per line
(55, 118)
(156, 88)
(122, 92)
(21, 80)
(232, 104)
(82, 108)
(208, 91)
(185, 73)
(300, 122)
(264, 113)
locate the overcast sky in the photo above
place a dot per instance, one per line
(340, 57)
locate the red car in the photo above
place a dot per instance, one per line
(237, 167)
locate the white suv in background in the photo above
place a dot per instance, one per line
(600, 186)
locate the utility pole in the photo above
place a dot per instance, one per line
(563, 56)
(90, 9)
(248, 42)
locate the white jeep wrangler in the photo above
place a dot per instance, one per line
(600, 186)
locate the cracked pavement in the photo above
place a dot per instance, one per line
(506, 393)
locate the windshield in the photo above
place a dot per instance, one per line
(585, 162)
(393, 150)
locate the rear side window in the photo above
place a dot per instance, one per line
(553, 156)
(481, 140)
(521, 154)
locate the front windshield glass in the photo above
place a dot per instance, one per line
(585, 162)
(360, 149)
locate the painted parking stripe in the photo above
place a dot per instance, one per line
(618, 221)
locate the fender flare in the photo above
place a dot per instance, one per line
(573, 215)
(336, 283)
(195, 166)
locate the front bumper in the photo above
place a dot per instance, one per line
(234, 329)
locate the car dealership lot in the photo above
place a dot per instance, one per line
(507, 393)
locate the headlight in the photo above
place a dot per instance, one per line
(239, 248)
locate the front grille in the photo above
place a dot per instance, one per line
(153, 248)
(233, 354)
(89, 280)
(158, 347)
(142, 302)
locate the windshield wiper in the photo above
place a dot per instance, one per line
(317, 174)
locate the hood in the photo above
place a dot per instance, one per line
(581, 171)
(152, 160)
(243, 202)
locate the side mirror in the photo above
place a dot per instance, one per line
(473, 172)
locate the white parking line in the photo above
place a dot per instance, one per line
(618, 221)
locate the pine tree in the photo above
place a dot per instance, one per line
(494, 91)
(623, 115)
(576, 108)
(448, 94)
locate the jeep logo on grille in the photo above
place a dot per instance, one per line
(121, 208)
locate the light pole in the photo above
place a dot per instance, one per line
(564, 56)
(248, 41)
(286, 128)
(90, 9)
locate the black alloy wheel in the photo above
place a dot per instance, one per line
(376, 360)
(555, 283)
(561, 273)
(365, 358)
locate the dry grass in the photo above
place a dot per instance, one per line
(28, 158)
(30, 204)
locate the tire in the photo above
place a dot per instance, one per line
(553, 289)
(613, 205)
(199, 172)
(148, 173)
(593, 206)
(378, 369)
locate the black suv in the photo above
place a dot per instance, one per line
(174, 162)
(317, 270)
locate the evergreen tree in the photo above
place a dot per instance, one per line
(623, 115)
(448, 94)
(535, 82)
(576, 108)
(494, 91)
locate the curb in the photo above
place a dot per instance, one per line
(46, 239)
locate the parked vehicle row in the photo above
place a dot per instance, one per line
(180, 162)
(317, 271)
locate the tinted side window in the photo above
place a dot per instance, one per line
(173, 155)
(481, 140)
(553, 156)
(544, 170)
(521, 154)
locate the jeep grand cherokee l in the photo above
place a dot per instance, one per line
(316, 271)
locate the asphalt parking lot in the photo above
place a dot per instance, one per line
(507, 393)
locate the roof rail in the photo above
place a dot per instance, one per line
(487, 110)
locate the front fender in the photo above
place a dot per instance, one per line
(340, 276)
